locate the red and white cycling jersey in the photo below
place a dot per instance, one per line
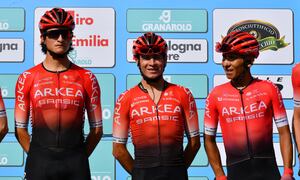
(56, 102)
(296, 84)
(157, 129)
(246, 118)
(2, 107)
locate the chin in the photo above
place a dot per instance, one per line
(229, 77)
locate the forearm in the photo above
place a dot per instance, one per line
(286, 147)
(296, 127)
(23, 137)
(214, 158)
(3, 128)
(121, 153)
(93, 139)
(191, 150)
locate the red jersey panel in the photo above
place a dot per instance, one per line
(56, 102)
(246, 118)
(296, 84)
(2, 107)
(157, 130)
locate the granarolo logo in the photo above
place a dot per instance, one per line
(166, 20)
(91, 39)
(266, 34)
(166, 24)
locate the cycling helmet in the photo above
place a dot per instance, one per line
(56, 17)
(239, 42)
(149, 43)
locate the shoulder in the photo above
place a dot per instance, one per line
(267, 86)
(296, 69)
(128, 94)
(265, 83)
(30, 73)
(178, 88)
(86, 75)
(220, 89)
(82, 71)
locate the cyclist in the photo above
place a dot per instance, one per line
(245, 107)
(296, 118)
(157, 114)
(56, 94)
(3, 119)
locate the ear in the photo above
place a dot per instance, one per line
(42, 39)
(251, 62)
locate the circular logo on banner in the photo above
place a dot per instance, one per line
(267, 34)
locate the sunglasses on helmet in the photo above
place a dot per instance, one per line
(54, 34)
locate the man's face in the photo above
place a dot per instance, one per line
(57, 40)
(152, 66)
(233, 65)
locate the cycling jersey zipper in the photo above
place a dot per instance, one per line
(158, 133)
(59, 109)
(158, 123)
(246, 126)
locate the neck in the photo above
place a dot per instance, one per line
(56, 64)
(243, 80)
(158, 85)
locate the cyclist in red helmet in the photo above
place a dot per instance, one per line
(296, 117)
(56, 94)
(157, 114)
(3, 119)
(245, 108)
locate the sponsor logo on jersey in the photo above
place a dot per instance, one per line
(20, 90)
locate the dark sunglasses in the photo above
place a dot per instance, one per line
(54, 34)
(150, 50)
(154, 56)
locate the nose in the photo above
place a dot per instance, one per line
(60, 37)
(151, 61)
(226, 63)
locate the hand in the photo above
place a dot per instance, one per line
(287, 177)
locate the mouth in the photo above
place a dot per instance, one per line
(228, 71)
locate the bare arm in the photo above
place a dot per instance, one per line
(213, 155)
(93, 139)
(286, 146)
(296, 127)
(3, 127)
(191, 150)
(121, 153)
(23, 137)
